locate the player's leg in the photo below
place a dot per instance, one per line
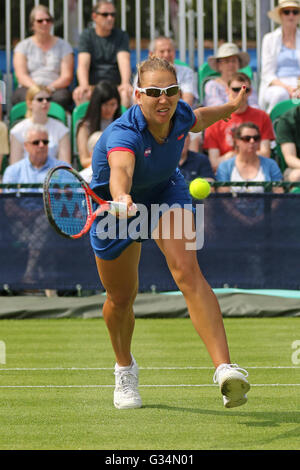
(120, 279)
(201, 301)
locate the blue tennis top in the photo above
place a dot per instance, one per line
(154, 163)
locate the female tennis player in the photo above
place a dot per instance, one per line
(135, 161)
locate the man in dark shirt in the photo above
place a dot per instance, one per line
(194, 165)
(103, 54)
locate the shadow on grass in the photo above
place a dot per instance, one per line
(260, 418)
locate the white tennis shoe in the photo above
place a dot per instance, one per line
(126, 393)
(233, 384)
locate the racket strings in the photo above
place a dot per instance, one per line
(70, 206)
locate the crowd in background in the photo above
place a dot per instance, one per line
(103, 87)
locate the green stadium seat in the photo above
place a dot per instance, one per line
(18, 112)
(281, 108)
(180, 62)
(205, 73)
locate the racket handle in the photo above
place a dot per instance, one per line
(120, 208)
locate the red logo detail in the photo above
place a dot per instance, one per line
(180, 137)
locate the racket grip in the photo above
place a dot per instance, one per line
(120, 209)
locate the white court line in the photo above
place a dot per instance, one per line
(140, 368)
(141, 386)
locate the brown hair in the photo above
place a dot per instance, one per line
(237, 132)
(240, 77)
(152, 64)
(33, 13)
(31, 93)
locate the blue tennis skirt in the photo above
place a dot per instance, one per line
(110, 235)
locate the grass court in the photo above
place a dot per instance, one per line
(56, 387)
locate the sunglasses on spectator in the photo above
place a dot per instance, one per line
(48, 20)
(38, 141)
(247, 138)
(156, 92)
(289, 12)
(40, 100)
(238, 89)
(106, 14)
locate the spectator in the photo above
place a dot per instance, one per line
(103, 54)
(44, 59)
(247, 165)
(4, 149)
(193, 165)
(38, 100)
(28, 226)
(280, 60)
(227, 62)
(288, 137)
(104, 107)
(218, 137)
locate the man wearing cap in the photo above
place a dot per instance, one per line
(280, 57)
(218, 138)
(228, 60)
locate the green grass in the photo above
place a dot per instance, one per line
(45, 404)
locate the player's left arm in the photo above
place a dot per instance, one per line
(206, 116)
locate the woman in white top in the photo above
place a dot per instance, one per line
(280, 58)
(38, 100)
(44, 59)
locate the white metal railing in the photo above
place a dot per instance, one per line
(190, 24)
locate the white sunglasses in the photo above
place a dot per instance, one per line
(156, 92)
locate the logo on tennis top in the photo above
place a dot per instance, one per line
(180, 137)
(147, 152)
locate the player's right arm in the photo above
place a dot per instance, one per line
(121, 165)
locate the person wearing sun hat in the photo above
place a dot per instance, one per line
(227, 61)
(280, 56)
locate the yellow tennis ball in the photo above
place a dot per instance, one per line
(199, 188)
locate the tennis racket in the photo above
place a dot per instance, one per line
(68, 202)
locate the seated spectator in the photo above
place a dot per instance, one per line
(227, 62)
(29, 227)
(194, 165)
(104, 107)
(247, 165)
(280, 60)
(38, 100)
(4, 149)
(218, 138)
(87, 173)
(164, 48)
(44, 59)
(103, 54)
(288, 137)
